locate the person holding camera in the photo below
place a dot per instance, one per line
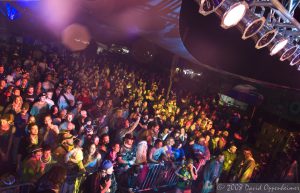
(186, 173)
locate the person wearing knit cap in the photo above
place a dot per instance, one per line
(105, 180)
(33, 168)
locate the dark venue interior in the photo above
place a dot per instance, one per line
(170, 96)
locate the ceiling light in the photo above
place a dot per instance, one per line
(287, 51)
(250, 24)
(264, 37)
(231, 12)
(278, 43)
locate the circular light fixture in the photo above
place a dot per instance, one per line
(287, 51)
(207, 7)
(264, 37)
(231, 13)
(296, 59)
(250, 24)
(278, 43)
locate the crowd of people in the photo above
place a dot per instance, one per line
(63, 115)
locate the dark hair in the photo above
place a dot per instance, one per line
(46, 147)
(152, 124)
(103, 135)
(57, 175)
(157, 141)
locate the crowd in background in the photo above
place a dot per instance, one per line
(63, 114)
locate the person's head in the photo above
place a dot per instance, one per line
(70, 126)
(100, 102)
(69, 117)
(17, 92)
(31, 120)
(92, 149)
(54, 110)
(107, 167)
(158, 143)
(189, 163)
(30, 90)
(2, 83)
(212, 132)
(69, 89)
(57, 175)
(4, 126)
(67, 139)
(49, 94)
(201, 141)
(129, 139)
(1, 68)
(46, 152)
(42, 97)
(25, 108)
(154, 126)
(105, 139)
(166, 130)
(37, 152)
(182, 130)
(33, 129)
(247, 153)
(116, 147)
(48, 120)
(79, 105)
(221, 158)
(24, 81)
(227, 125)
(96, 140)
(233, 148)
(170, 141)
(76, 142)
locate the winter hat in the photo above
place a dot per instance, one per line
(106, 164)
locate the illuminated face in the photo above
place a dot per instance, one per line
(2, 123)
(96, 140)
(106, 140)
(92, 149)
(110, 171)
(221, 158)
(17, 92)
(38, 155)
(1, 69)
(129, 141)
(70, 117)
(2, 84)
(43, 98)
(34, 130)
(47, 154)
(156, 129)
(48, 120)
(49, 95)
(116, 148)
(30, 90)
(233, 149)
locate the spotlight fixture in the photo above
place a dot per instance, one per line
(264, 36)
(287, 51)
(207, 7)
(250, 24)
(278, 43)
(296, 59)
(231, 12)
